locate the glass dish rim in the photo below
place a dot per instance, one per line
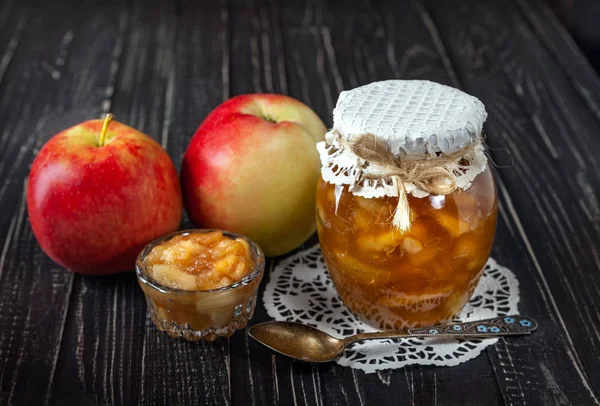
(142, 275)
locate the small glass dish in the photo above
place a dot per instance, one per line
(201, 314)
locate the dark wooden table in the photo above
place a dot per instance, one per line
(67, 339)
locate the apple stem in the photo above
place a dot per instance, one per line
(107, 120)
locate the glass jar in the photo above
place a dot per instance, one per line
(201, 314)
(421, 277)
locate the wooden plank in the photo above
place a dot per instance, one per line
(96, 360)
(200, 80)
(193, 78)
(13, 20)
(498, 68)
(533, 369)
(40, 78)
(552, 33)
(257, 66)
(308, 61)
(112, 352)
(34, 297)
(257, 57)
(260, 376)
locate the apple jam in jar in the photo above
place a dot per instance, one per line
(422, 269)
(200, 284)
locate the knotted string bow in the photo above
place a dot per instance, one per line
(427, 173)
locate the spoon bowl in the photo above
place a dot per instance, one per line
(297, 341)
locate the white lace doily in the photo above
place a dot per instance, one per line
(301, 290)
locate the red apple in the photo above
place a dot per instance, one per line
(252, 168)
(97, 194)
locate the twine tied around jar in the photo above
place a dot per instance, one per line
(428, 173)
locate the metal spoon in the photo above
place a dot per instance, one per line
(309, 344)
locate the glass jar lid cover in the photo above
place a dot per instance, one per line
(400, 137)
(414, 117)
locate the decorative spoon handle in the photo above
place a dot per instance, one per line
(496, 327)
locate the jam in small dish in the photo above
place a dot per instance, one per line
(200, 284)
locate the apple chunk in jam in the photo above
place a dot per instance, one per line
(201, 284)
(200, 261)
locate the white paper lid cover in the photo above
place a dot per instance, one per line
(414, 117)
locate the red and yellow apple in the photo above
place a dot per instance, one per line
(98, 192)
(252, 168)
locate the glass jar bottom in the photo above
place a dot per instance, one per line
(241, 315)
(384, 318)
(392, 309)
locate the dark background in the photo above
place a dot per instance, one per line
(582, 19)
(162, 67)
